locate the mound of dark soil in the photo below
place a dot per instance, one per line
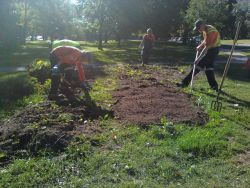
(47, 125)
(146, 98)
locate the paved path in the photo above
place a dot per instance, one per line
(12, 69)
(238, 56)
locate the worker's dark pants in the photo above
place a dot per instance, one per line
(145, 54)
(55, 74)
(206, 63)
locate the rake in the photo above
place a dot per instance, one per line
(217, 105)
(198, 57)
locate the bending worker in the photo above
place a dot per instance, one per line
(66, 54)
(210, 44)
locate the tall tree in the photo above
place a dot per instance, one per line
(96, 13)
(10, 31)
(217, 12)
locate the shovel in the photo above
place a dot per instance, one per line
(217, 105)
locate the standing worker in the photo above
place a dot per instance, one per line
(146, 46)
(211, 43)
(66, 55)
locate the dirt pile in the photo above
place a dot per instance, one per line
(49, 126)
(147, 96)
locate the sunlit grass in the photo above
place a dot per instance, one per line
(247, 41)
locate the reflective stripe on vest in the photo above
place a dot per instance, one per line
(204, 69)
(213, 29)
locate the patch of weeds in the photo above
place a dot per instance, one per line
(78, 151)
(132, 72)
(156, 68)
(101, 90)
(182, 69)
(216, 119)
(33, 125)
(97, 140)
(165, 130)
(40, 69)
(2, 156)
(104, 121)
(205, 142)
(66, 117)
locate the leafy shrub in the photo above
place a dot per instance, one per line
(40, 69)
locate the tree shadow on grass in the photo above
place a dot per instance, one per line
(236, 72)
(230, 98)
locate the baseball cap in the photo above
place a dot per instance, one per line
(198, 24)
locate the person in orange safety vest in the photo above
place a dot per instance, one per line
(66, 55)
(146, 46)
(211, 43)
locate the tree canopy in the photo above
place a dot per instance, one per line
(115, 19)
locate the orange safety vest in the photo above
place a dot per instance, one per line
(70, 55)
(211, 37)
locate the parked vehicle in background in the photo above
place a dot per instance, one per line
(194, 41)
(39, 37)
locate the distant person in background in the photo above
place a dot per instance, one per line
(65, 56)
(211, 43)
(146, 46)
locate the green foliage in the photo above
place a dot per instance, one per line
(40, 69)
(10, 31)
(218, 13)
(204, 142)
(18, 90)
(14, 87)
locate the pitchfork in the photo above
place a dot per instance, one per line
(217, 105)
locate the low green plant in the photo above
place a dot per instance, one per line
(40, 69)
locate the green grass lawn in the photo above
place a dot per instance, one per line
(24, 55)
(214, 155)
(245, 41)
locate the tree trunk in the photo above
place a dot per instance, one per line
(118, 40)
(106, 37)
(100, 36)
(185, 36)
(25, 21)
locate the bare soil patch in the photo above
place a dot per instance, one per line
(148, 95)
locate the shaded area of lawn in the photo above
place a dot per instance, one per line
(236, 72)
(25, 54)
(129, 52)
